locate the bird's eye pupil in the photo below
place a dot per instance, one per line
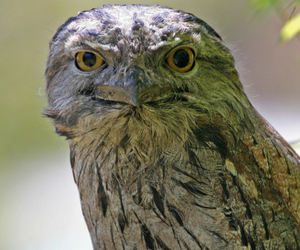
(89, 59)
(181, 58)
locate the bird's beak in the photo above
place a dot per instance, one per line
(134, 90)
(133, 94)
(119, 94)
(126, 91)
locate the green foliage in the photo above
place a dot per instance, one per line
(292, 26)
(295, 6)
(262, 5)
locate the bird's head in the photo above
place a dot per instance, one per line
(151, 64)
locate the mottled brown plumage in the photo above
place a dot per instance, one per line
(164, 156)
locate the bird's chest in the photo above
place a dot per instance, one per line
(136, 195)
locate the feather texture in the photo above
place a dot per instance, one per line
(162, 159)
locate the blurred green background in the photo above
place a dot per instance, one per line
(39, 204)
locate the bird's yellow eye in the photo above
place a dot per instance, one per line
(88, 61)
(181, 59)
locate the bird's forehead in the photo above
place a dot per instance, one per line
(120, 26)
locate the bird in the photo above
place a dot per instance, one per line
(166, 149)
